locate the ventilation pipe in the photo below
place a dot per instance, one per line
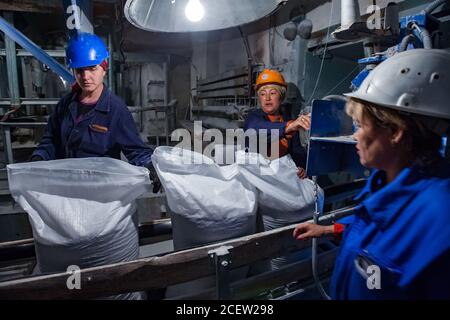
(352, 28)
(349, 12)
(392, 18)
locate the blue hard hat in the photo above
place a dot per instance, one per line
(84, 50)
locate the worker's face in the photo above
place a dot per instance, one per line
(90, 79)
(269, 99)
(374, 145)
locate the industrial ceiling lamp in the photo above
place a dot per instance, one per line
(194, 11)
(196, 15)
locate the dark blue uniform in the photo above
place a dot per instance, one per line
(403, 228)
(104, 131)
(257, 119)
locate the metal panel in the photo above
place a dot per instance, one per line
(331, 147)
(328, 119)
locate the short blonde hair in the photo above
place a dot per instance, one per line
(383, 117)
(280, 89)
(421, 143)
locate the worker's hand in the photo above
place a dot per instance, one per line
(302, 122)
(36, 158)
(154, 177)
(307, 230)
(301, 173)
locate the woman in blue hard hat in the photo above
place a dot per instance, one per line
(397, 243)
(271, 89)
(91, 121)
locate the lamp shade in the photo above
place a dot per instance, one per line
(196, 15)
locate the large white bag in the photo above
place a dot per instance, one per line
(283, 198)
(82, 211)
(281, 192)
(208, 203)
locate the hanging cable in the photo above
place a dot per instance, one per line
(314, 245)
(323, 56)
(316, 192)
(345, 78)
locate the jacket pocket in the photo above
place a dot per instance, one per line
(378, 272)
(97, 141)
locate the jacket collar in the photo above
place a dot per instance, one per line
(103, 103)
(384, 202)
(282, 111)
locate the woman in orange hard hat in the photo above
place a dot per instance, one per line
(271, 89)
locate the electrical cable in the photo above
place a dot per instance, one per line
(314, 246)
(323, 57)
(345, 78)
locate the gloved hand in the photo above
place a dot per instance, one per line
(154, 177)
(301, 173)
(36, 158)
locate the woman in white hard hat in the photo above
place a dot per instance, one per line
(271, 89)
(397, 243)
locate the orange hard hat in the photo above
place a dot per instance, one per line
(270, 77)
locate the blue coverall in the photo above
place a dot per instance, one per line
(257, 119)
(104, 131)
(403, 228)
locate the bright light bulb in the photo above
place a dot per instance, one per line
(194, 11)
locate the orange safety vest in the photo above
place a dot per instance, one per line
(284, 143)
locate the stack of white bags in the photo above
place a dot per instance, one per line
(82, 211)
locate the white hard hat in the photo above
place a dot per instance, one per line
(415, 81)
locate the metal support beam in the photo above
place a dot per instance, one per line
(11, 65)
(221, 260)
(5, 127)
(7, 145)
(166, 67)
(37, 52)
(24, 53)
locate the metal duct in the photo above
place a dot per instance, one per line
(195, 15)
(349, 12)
(392, 18)
(352, 28)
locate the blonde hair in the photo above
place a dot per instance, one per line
(421, 144)
(280, 89)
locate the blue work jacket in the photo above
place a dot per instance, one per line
(104, 131)
(258, 119)
(403, 229)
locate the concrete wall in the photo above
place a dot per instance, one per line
(179, 84)
(139, 93)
